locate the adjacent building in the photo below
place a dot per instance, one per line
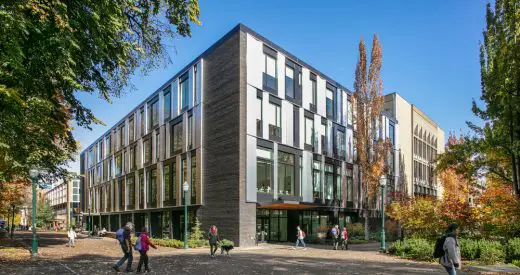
(64, 193)
(263, 140)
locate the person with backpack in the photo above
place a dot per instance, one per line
(300, 236)
(213, 240)
(344, 238)
(447, 249)
(123, 236)
(334, 232)
(142, 245)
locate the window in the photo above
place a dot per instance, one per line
(124, 163)
(350, 182)
(289, 81)
(275, 122)
(118, 165)
(270, 81)
(341, 152)
(157, 146)
(196, 73)
(122, 193)
(194, 179)
(177, 137)
(132, 158)
(330, 104)
(259, 117)
(100, 150)
(131, 129)
(167, 103)
(153, 115)
(147, 151)
(316, 180)
(174, 182)
(264, 170)
(391, 134)
(309, 131)
(152, 188)
(329, 178)
(141, 118)
(141, 190)
(184, 85)
(130, 192)
(350, 112)
(166, 184)
(108, 145)
(337, 191)
(190, 131)
(109, 168)
(122, 136)
(285, 173)
(314, 87)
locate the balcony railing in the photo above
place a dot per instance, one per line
(275, 133)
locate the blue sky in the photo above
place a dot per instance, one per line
(430, 50)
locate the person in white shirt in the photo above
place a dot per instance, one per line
(451, 259)
(300, 236)
(72, 236)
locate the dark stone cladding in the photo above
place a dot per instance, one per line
(223, 141)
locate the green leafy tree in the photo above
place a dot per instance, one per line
(44, 215)
(52, 50)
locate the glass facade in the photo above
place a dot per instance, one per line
(194, 178)
(285, 174)
(152, 188)
(177, 137)
(316, 179)
(264, 170)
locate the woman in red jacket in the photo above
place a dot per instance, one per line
(344, 238)
(145, 246)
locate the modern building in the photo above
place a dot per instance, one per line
(264, 141)
(63, 193)
(420, 141)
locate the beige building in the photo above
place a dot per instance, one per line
(420, 140)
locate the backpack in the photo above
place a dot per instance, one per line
(438, 252)
(138, 245)
(303, 234)
(120, 235)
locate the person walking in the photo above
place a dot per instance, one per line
(72, 236)
(300, 236)
(334, 232)
(143, 245)
(123, 236)
(213, 240)
(451, 258)
(344, 238)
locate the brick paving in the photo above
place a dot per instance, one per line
(96, 256)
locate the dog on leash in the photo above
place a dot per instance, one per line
(226, 248)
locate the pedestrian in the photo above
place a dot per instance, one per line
(334, 232)
(344, 238)
(213, 240)
(143, 244)
(300, 236)
(72, 236)
(451, 258)
(123, 236)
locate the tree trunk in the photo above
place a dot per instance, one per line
(367, 235)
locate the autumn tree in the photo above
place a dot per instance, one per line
(53, 50)
(372, 149)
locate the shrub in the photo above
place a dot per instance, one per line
(168, 243)
(315, 240)
(357, 241)
(516, 262)
(469, 249)
(512, 250)
(397, 248)
(491, 252)
(196, 237)
(356, 230)
(415, 248)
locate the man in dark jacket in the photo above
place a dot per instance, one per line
(126, 246)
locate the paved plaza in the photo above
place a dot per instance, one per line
(96, 256)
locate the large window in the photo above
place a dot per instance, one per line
(174, 182)
(122, 136)
(157, 146)
(152, 188)
(184, 176)
(153, 110)
(316, 179)
(194, 179)
(270, 81)
(184, 90)
(309, 131)
(275, 121)
(166, 184)
(314, 91)
(190, 131)
(289, 81)
(130, 183)
(167, 103)
(391, 133)
(131, 129)
(330, 104)
(259, 116)
(141, 190)
(100, 151)
(264, 170)
(142, 120)
(340, 144)
(350, 182)
(121, 190)
(285, 173)
(176, 137)
(329, 179)
(337, 191)
(147, 151)
(350, 112)
(108, 145)
(118, 165)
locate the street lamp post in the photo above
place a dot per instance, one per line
(33, 173)
(185, 188)
(383, 187)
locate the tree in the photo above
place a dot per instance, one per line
(419, 216)
(12, 193)
(372, 149)
(496, 144)
(44, 215)
(52, 50)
